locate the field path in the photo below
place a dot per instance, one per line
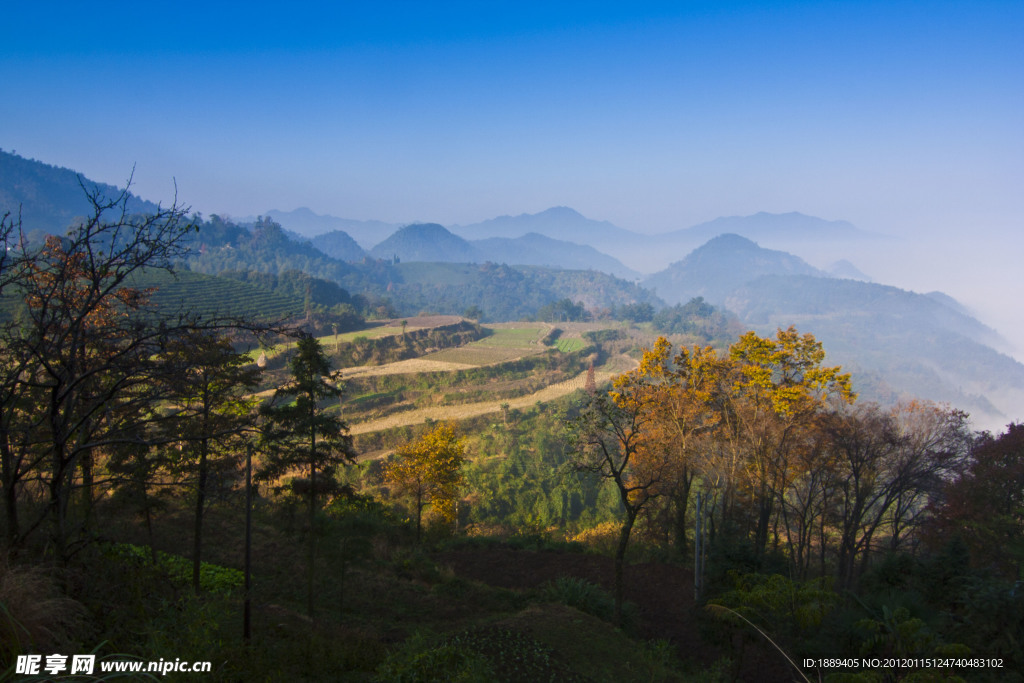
(467, 410)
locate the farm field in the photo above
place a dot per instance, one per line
(570, 344)
(507, 343)
(410, 366)
(380, 403)
(465, 411)
(379, 329)
(512, 334)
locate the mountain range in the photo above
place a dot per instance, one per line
(899, 343)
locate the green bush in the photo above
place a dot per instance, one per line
(590, 598)
(212, 578)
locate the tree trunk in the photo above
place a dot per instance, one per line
(620, 562)
(197, 536)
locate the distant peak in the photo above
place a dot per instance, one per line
(425, 229)
(732, 241)
(561, 211)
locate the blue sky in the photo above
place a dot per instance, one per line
(897, 116)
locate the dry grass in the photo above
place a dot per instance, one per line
(34, 616)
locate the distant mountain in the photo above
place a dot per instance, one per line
(913, 344)
(50, 197)
(720, 266)
(770, 228)
(426, 242)
(534, 249)
(845, 269)
(560, 223)
(338, 244)
(505, 292)
(309, 224)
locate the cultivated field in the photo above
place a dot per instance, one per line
(411, 366)
(468, 410)
(507, 342)
(504, 344)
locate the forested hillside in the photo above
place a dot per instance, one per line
(47, 198)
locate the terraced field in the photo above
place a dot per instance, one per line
(505, 344)
(462, 412)
(616, 366)
(210, 295)
(405, 367)
(570, 344)
(385, 329)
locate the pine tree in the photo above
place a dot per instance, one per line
(301, 434)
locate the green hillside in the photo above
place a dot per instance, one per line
(208, 295)
(505, 292)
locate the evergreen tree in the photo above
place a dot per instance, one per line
(302, 434)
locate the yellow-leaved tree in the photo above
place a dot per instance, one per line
(429, 471)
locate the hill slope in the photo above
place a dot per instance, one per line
(534, 249)
(426, 242)
(897, 342)
(720, 266)
(50, 197)
(339, 244)
(308, 224)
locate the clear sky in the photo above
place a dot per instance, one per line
(655, 117)
(904, 118)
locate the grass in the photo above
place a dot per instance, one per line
(569, 345)
(328, 340)
(522, 337)
(503, 344)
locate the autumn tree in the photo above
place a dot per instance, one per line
(613, 441)
(302, 434)
(887, 465)
(684, 396)
(429, 471)
(79, 356)
(780, 386)
(984, 505)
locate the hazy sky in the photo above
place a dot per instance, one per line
(903, 117)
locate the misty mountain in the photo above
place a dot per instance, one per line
(845, 269)
(50, 197)
(505, 292)
(309, 225)
(911, 344)
(427, 242)
(717, 268)
(560, 223)
(772, 228)
(338, 244)
(534, 249)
